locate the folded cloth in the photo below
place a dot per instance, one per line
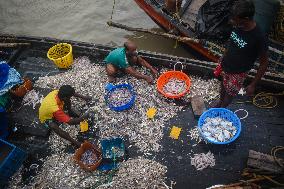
(13, 79)
(4, 72)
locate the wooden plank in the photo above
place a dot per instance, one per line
(263, 162)
(273, 168)
(198, 106)
(263, 157)
(13, 45)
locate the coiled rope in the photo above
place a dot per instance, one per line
(266, 100)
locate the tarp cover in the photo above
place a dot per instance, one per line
(212, 20)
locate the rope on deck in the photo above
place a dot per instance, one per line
(264, 100)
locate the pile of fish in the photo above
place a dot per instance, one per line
(202, 161)
(139, 173)
(89, 157)
(174, 86)
(195, 135)
(208, 89)
(59, 169)
(119, 97)
(114, 152)
(32, 98)
(218, 129)
(90, 79)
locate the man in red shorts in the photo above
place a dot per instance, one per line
(247, 44)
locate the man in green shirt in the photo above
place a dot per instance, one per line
(123, 58)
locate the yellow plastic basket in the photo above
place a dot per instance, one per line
(61, 55)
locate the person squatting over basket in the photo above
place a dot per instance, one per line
(122, 59)
(51, 111)
(246, 44)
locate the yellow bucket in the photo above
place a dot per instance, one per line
(61, 55)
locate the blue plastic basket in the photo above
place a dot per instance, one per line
(12, 160)
(110, 88)
(225, 114)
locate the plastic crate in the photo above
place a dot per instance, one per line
(11, 159)
(109, 144)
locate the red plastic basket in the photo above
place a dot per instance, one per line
(164, 79)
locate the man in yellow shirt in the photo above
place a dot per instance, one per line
(51, 111)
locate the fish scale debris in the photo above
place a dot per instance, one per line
(195, 135)
(32, 98)
(139, 173)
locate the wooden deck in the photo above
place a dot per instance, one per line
(261, 130)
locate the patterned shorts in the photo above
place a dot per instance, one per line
(233, 82)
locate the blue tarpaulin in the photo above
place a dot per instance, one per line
(8, 81)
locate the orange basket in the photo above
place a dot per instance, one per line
(84, 147)
(165, 77)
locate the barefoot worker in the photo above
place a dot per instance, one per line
(247, 43)
(122, 59)
(52, 115)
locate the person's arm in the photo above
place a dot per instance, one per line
(75, 121)
(63, 134)
(86, 98)
(263, 60)
(138, 75)
(144, 63)
(62, 117)
(68, 108)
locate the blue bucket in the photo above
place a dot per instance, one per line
(225, 114)
(110, 88)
